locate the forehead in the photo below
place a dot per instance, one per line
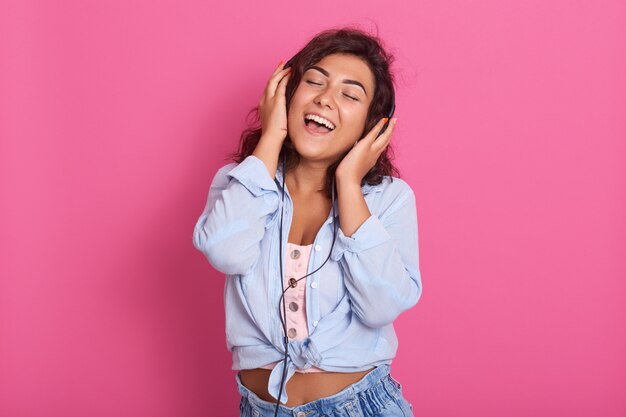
(346, 66)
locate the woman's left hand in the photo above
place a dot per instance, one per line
(364, 154)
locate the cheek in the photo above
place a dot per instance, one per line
(296, 103)
(355, 121)
(300, 94)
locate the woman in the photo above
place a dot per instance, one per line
(349, 265)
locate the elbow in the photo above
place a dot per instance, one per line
(376, 321)
(382, 317)
(416, 289)
(226, 259)
(376, 315)
(418, 293)
(221, 255)
(385, 310)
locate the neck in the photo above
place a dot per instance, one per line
(307, 178)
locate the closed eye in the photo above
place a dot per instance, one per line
(349, 96)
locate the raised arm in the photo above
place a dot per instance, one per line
(242, 203)
(243, 200)
(381, 258)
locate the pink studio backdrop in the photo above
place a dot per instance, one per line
(114, 117)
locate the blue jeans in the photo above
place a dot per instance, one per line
(377, 394)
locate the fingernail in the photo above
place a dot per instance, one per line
(280, 63)
(385, 119)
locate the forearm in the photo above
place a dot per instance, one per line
(353, 210)
(268, 150)
(379, 255)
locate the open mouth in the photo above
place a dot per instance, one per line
(318, 125)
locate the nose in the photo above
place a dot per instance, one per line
(324, 98)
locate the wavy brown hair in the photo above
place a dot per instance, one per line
(351, 41)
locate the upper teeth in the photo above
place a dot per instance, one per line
(320, 120)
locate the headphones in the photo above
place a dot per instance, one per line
(294, 282)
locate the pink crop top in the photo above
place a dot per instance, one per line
(296, 265)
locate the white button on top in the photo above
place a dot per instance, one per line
(301, 414)
(314, 285)
(318, 248)
(315, 323)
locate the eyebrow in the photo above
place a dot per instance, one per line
(346, 81)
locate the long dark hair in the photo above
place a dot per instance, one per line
(345, 40)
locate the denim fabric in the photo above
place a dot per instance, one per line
(370, 278)
(377, 394)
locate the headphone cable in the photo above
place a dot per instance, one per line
(282, 284)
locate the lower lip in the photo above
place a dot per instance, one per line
(315, 133)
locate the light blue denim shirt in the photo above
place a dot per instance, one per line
(351, 302)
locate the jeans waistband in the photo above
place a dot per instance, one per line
(373, 391)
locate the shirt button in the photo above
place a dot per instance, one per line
(315, 323)
(292, 333)
(295, 254)
(293, 282)
(301, 414)
(318, 248)
(314, 285)
(293, 306)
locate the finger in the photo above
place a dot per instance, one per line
(383, 141)
(282, 86)
(371, 136)
(270, 90)
(276, 71)
(278, 68)
(385, 138)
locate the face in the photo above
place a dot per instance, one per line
(339, 89)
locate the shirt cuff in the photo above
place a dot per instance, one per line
(253, 174)
(369, 234)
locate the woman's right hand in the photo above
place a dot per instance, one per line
(273, 105)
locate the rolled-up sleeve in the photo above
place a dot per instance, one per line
(242, 203)
(381, 261)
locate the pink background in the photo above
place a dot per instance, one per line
(115, 115)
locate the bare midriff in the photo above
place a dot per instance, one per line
(302, 387)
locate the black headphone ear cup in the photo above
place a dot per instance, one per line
(393, 108)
